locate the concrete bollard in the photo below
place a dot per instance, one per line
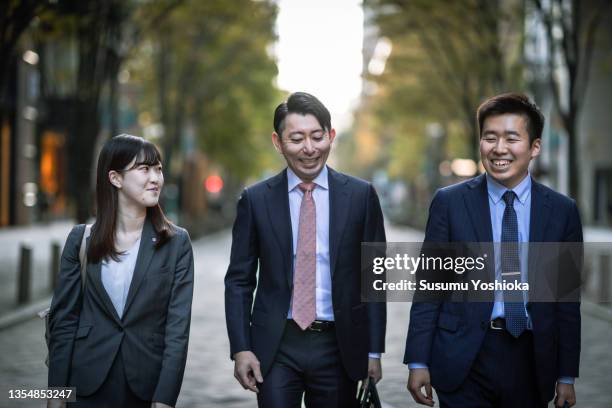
(25, 274)
(54, 267)
(604, 278)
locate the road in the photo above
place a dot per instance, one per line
(209, 380)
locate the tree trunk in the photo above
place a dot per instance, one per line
(81, 150)
(572, 133)
(92, 73)
(113, 94)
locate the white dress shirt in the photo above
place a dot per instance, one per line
(117, 276)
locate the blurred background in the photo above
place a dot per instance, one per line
(201, 79)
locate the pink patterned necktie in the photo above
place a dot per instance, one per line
(304, 278)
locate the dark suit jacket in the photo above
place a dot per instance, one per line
(447, 336)
(152, 336)
(262, 238)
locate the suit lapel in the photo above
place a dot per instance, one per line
(145, 254)
(476, 199)
(94, 271)
(540, 212)
(477, 204)
(339, 205)
(538, 220)
(277, 200)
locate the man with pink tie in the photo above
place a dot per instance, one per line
(304, 333)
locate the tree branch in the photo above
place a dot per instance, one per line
(589, 46)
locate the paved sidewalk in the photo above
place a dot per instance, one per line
(209, 380)
(593, 386)
(38, 237)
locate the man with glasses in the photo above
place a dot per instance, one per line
(306, 335)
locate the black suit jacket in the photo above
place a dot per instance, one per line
(152, 336)
(447, 336)
(262, 239)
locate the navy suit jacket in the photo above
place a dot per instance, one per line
(151, 336)
(448, 335)
(262, 239)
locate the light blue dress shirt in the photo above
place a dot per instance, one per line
(320, 195)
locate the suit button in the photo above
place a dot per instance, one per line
(120, 328)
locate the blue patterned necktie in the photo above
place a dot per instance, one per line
(514, 312)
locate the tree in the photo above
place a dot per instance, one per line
(208, 66)
(570, 28)
(15, 18)
(215, 72)
(446, 57)
(463, 52)
(105, 32)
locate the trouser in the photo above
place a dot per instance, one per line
(114, 391)
(502, 375)
(307, 365)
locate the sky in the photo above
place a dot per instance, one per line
(319, 52)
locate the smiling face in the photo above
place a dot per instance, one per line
(304, 144)
(138, 184)
(505, 149)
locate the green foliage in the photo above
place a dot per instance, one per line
(447, 57)
(207, 64)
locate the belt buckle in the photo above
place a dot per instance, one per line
(315, 326)
(493, 326)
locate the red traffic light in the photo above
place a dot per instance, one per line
(213, 184)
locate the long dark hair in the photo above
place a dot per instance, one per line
(116, 154)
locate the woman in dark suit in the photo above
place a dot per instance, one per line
(121, 339)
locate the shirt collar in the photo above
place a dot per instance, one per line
(293, 180)
(496, 190)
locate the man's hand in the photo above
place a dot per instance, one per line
(159, 405)
(418, 378)
(247, 371)
(565, 393)
(374, 370)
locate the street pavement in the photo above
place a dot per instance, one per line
(39, 238)
(209, 380)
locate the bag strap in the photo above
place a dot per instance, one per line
(83, 254)
(44, 314)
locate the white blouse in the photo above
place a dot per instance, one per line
(117, 277)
